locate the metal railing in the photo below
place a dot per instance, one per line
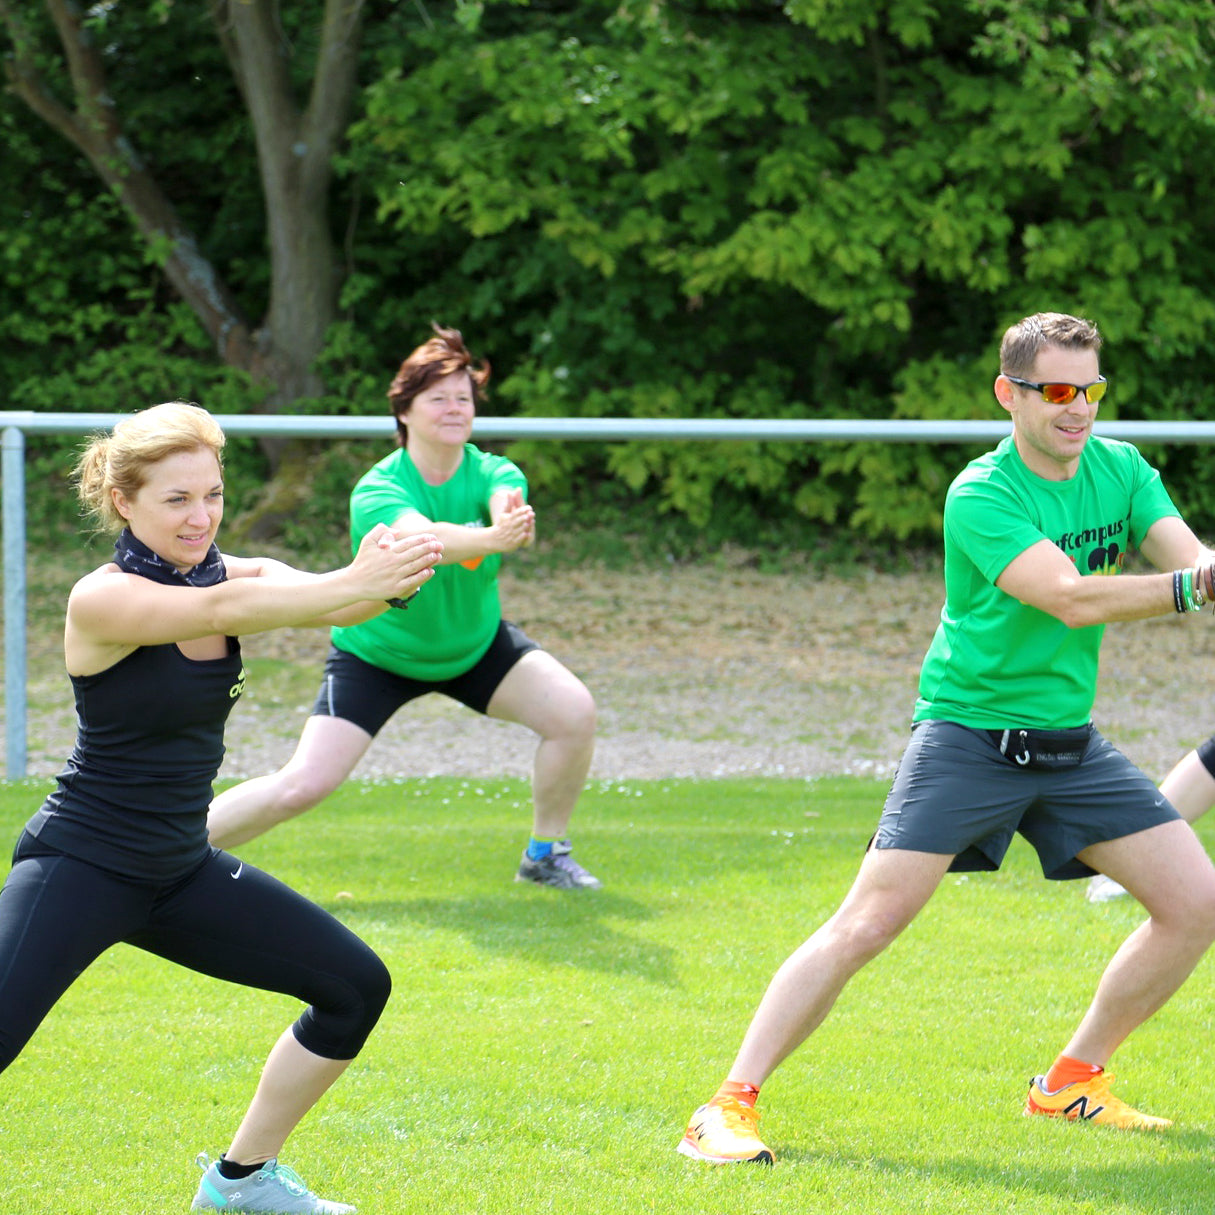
(15, 425)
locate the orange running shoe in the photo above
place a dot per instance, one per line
(1092, 1101)
(724, 1132)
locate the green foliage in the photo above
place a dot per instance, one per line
(731, 209)
(152, 367)
(583, 1031)
(75, 278)
(842, 233)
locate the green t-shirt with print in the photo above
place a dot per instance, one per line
(450, 623)
(995, 662)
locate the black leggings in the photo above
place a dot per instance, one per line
(226, 919)
(1206, 753)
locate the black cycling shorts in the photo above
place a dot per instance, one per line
(367, 695)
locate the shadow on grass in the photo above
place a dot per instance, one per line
(549, 927)
(1186, 1176)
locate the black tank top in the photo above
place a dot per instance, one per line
(149, 741)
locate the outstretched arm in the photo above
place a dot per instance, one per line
(1044, 577)
(111, 613)
(356, 613)
(512, 526)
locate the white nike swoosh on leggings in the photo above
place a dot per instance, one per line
(235, 875)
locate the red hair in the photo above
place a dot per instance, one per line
(444, 355)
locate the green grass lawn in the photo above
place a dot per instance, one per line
(542, 1051)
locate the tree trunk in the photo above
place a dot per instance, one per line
(295, 148)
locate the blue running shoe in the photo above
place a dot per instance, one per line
(274, 1190)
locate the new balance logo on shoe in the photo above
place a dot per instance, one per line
(1089, 1101)
(1079, 1109)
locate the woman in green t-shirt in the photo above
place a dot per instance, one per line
(452, 639)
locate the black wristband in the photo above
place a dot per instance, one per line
(402, 603)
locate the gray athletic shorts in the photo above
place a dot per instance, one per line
(955, 793)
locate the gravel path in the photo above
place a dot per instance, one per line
(697, 672)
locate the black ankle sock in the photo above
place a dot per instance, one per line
(233, 1171)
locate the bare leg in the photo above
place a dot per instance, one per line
(328, 750)
(890, 889)
(538, 692)
(292, 1082)
(1190, 787)
(1167, 870)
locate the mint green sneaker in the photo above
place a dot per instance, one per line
(274, 1190)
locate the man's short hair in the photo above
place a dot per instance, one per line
(1026, 338)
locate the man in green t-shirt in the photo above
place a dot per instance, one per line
(1036, 533)
(450, 638)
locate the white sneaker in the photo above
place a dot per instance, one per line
(1101, 889)
(273, 1188)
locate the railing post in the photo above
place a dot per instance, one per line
(12, 476)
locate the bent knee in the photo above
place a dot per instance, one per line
(300, 789)
(1190, 907)
(584, 718)
(1202, 911)
(863, 937)
(569, 721)
(576, 719)
(341, 1018)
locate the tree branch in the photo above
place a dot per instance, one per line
(93, 103)
(333, 82)
(252, 37)
(94, 130)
